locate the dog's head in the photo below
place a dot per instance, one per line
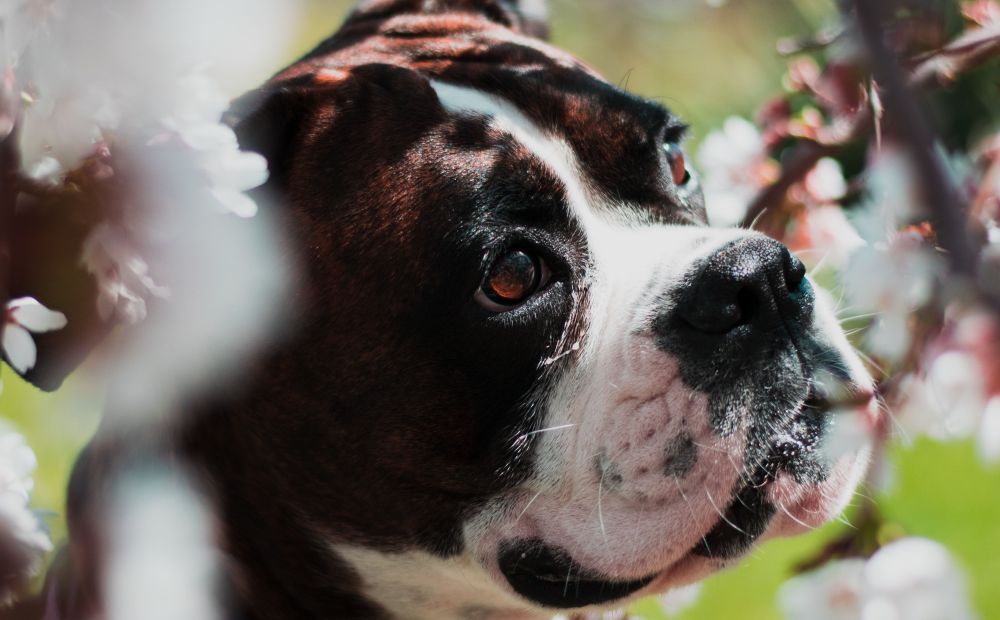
(527, 375)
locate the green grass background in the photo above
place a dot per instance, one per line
(706, 64)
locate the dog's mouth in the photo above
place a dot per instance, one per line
(547, 575)
(750, 512)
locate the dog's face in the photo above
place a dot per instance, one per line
(528, 376)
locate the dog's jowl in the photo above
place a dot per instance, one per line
(526, 377)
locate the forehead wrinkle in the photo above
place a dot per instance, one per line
(556, 154)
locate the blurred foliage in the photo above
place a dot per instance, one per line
(705, 63)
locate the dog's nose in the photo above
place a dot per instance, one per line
(747, 290)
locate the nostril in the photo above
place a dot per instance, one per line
(795, 271)
(748, 304)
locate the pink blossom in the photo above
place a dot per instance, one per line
(735, 166)
(822, 235)
(123, 282)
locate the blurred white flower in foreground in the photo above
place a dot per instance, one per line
(23, 317)
(23, 542)
(734, 168)
(910, 579)
(130, 63)
(123, 280)
(136, 82)
(163, 564)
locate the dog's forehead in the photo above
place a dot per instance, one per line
(615, 137)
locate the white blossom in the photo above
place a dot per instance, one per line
(123, 282)
(914, 579)
(20, 22)
(678, 599)
(891, 280)
(949, 401)
(23, 317)
(989, 432)
(893, 201)
(141, 68)
(831, 592)
(910, 579)
(23, 541)
(734, 168)
(825, 183)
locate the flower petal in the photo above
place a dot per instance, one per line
(33, 316)
(19, 347)
(235, 202)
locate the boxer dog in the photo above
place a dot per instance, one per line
(526, 377)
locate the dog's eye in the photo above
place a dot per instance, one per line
(677, 163)
(511, 280)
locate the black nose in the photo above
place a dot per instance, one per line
(748, 290)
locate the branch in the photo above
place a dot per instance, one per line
(936, 69)
(10, 163)
(941, 195)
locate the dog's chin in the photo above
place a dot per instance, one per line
(552, 576)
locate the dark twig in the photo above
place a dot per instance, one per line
(941, 195)
(10, 163)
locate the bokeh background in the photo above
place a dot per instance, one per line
(706, 63)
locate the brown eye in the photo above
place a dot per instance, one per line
(511, 280)
(677, 163)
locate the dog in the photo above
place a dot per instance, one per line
(526, 378)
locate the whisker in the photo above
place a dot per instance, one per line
(600, 512)
(527, 506)
(897, 425)
(869, 359)
(794, 518)
(722, 516)
(856, 317)
(708, 447)
(691, 510)
(756, 219)
(545, 430)
(819, 264)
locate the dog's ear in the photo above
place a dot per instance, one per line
(527, 16)
(268, 121)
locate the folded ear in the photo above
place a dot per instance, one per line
(270, 119)
(527, 16)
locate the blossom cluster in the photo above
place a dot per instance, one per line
(911, 579)
(114, 110)
(823, 168)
